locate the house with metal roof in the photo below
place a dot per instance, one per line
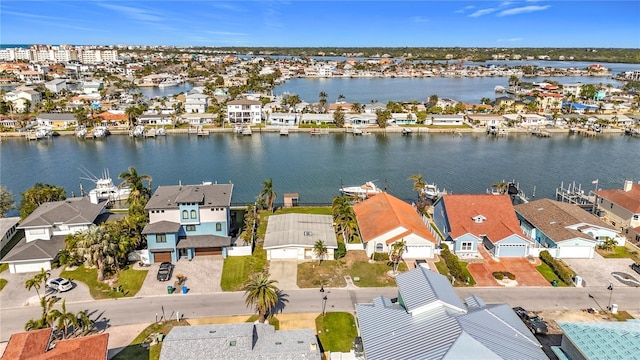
(293, 236)
(563, 229)
(188, 220)
(45, 230)
(599, 340)
(469, 221)
(239, 341)
(429, 321)
(384, 219)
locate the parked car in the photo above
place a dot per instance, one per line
(636, 267)
(165, 271)
(60, 284)
(533, 321)
(422, 264)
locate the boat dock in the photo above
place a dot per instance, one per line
(575, 195)
(585, 132)
(540, 133)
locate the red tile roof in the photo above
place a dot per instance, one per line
(629, 200)
(383, 213)
(32, 345)
(500, 222)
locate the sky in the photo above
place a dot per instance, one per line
(302, 23)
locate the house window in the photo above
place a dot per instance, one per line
(191, 228)
(185, 214)
(218, 227)
(379, 247)
(466, 246)
(193, 214)
(161, 238)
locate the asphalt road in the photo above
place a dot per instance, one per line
(142, 310)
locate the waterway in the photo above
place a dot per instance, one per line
(316, 166)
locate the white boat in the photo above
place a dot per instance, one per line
(105, 189)
(161, 131)
(81, 131)
(362, 191)
(237, 129)
(168, 83)
(406, 131)
(100, 132)
(138, 131)
(43, 132)
(284, 131)
(432, 192)
(357, 132)
(500, 89)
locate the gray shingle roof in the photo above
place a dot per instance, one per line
(35, 250)
(239, 341)
(422, 287)
(211, 195)
(70, 211)
(161, 227)
(201, 241)
(57, 116)
(299, 230)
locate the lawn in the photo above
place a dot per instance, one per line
(329, 273)
(136, 352)
(336, 331)
(130, 280)
(373, 274)
(238, 269)
(4, 267)
(546, 271)
(442, 268)
(619, 252)
(3, 282)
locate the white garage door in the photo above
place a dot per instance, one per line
(29, 267)
(575, 252)
(276, 254)
(419, 252)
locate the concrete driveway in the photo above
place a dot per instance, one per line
(203, 275)
(525, 272)
(285, 272)
(597, 272)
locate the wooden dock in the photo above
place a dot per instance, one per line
(573, 194)
(540, 133)
(588, 133)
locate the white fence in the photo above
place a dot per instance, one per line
(535, 251)
(356, 246)
(239, 250)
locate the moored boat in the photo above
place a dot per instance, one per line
(432, 192)
(105, 189)
(362, 191)
(284, 131)
(406, 131)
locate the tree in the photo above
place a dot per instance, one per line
(37, 280)
(418, 185)
(81, 115)
(500, 186)
(397, 250)
(38, 195)
(132, 113)
(345, 217)
(135, 182)
(261, 293)
(98, 249)
(320, 249)
(64, 320)
(609, 244)
(341, 98)
(588, 91)
(46, 319)
(6, 200)
(433, 100)
(268, 193)
(382, 116)
(338, 117)
(323, 100)
(356, 108)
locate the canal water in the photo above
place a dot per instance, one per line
(316, 166)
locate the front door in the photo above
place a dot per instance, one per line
(182, 253)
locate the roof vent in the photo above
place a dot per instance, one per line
(278, 343)
(478, 219)
(308, 233)
(300, 342)
(232, 342)
(212, 331)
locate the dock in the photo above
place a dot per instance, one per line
(150, 133)
(573, 194)
(585, 132)
(540, 133)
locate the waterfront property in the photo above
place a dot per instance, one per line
(187, 221)
(428, 321)
(470, 221)
(57, 121)
(384, 220)
(563, 229)
(45, 230)
(292, 236)
(621, 208)
(244, 111)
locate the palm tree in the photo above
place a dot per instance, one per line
(97, 248)
(345, 217)
(397, 250)
(501, 186)
(356, 108)
(37, 280)
(135, 182)
(323, 100)
(64, 319)
(320, 249)
(262, 294)
(267, 193)
(418, 185)
(85, 324)
(132, 113)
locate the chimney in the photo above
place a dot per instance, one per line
(628, 185)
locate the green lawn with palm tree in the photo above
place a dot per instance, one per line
(131, 281)
(262, 294)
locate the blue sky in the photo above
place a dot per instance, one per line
(360, 23)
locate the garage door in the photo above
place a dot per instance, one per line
(419, 252)
(208, 251)
(162, 257)
(30, 267)
(575, 252)
(512, 250)
(283, 254)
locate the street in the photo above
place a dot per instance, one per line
(143, 310)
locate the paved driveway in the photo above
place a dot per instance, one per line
(203, 276)
(525, 272)
(285, 272)
(596, 272)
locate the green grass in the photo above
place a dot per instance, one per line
(3, 282)
(4, 267)
(546, 271)
(273, 321)
(622, 316)
(131, 281)
(329, 273)
(336, 331)
(442, 268)
(136, 352)
(373, 274)
(618, 253)
(238, 269)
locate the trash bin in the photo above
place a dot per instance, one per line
(160, 337)
(614, 308)
(170, 289)
(554, 283)
(184, 289)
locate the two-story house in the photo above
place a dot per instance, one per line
(196, 103)
(45, 230)
(621, 208)
(244, 111)
(187, 221)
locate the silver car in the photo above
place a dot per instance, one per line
(60, 284)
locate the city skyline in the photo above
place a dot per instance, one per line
(508, 24)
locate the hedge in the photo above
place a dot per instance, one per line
(502, 274)
(562, 271)
(453, 264)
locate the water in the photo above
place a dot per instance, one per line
(151, 92)
(316, 166)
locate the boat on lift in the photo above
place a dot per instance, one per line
(104, 187)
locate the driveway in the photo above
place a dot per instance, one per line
(285, 272)
(203, 275)
(525, 272)
(597, 272)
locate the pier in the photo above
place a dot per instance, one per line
(540, 133)
(576, 195)
(585, 132)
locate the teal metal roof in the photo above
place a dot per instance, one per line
(605, 340)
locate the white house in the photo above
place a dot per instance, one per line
(284, 119)
(447, 120)
(196, 103)
(57, 85)
(293, 236)
(244, 111)
(57, 120)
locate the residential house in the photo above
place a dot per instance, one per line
(563, 229)
(40, 345)
(293, 236)
(92, 87)
(404, 119)
(549, 102)
(8, 228)
(155, 119)
(188, 220)
(317, 119)
(284, 119)
(31, 76)
(470, 221)
(244, 111)
(8, 123)
(526, 120)
(620, 208)
(384, 219)
(198, 119)
(112, 118)
(360, 120)
(196, 103)
(428, 321)
(57, 120)
(486, 120)
(45, 230)
(56, 86)
(599, 340)
(23, 98)
(445, 120)
(241, 341)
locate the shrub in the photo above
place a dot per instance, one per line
(341, 251)
(453, 264)
(380, 257)
(498, 275)
(565, 274)
(510, 276)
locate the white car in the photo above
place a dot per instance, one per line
(60, 284)
(422, 264)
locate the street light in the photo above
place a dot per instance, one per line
(324, 305)
(610, 288)
(321, 288)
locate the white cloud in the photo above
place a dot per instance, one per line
(225, 33)
(483, 12)
(464, 9)
(523, 10)
(511, 40)
(133, 12)
(419, 19)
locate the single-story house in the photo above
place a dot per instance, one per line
(39, 345)
(599, 340)
(284, 119)
(293, 236)
(428, 321)
(446, 120)
(565, 230)
(384, 219)
(242, 341)
(470, 221)
(57, 120)
(155, 119)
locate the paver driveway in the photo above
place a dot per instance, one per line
(525, 272)
(203, 275)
